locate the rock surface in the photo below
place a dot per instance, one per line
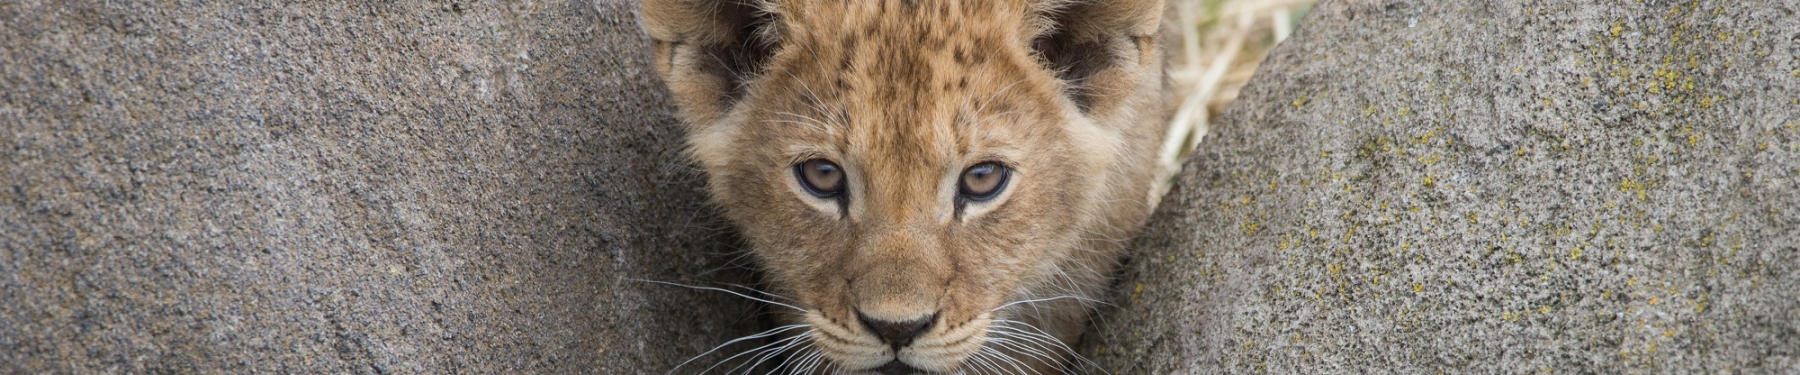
(346, 187)
(1570, 186)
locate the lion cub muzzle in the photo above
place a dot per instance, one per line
(898, 291)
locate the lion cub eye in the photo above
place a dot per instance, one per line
(820, 177)
(983, 181)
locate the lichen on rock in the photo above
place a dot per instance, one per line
(1471, 186)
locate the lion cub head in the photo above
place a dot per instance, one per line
(938, 185)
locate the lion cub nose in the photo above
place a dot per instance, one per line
(897, 334)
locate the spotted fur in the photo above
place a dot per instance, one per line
(905, 95)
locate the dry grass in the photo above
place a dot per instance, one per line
(1220, 51)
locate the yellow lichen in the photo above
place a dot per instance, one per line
(1431, 159)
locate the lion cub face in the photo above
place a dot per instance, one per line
(916, 174)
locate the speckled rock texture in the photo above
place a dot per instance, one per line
(1562, 186)
(347, 187)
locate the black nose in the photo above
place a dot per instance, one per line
(897, 334)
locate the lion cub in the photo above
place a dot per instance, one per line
(936, 186)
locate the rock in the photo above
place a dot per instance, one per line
(347, 187)
(1569, 186)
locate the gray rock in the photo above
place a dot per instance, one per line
(347, 187)
(1569, 186)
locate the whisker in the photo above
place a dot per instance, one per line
(1074, 297)
(981, 359)
(759, 291)
(1037, 348)
(1022, 348)
(721, 290)
(818, 361)
(810, 121)
(816, 102)
(1040, 335)
(798, 364)
(1021, 363)
(771, 354)
(770, 332)
(997, 360)
(758, 349)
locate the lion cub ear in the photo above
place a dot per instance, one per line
(1102, 48)
(706, 50)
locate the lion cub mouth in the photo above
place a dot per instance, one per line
(925, 345)
(895, 367)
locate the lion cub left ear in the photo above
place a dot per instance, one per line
(1102, 49)
(706, 50)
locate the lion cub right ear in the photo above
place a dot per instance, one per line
(706, 50)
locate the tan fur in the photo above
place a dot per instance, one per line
(905, 95)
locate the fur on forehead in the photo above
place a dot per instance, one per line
(956, 89)
(823, 18)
